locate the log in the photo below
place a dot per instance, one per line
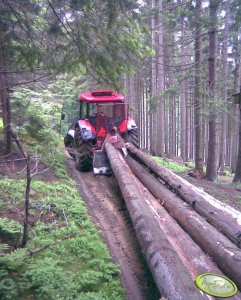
(194, 259)
(225, 218)
(169, 272)
(225, 253)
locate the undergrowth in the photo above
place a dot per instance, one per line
(65, 257)
(75, 265)
(172, 165)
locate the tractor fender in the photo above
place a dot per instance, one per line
(70, 133)
(87, 130)
(127, 124)
(131, 124)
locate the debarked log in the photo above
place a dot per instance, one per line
(225, 218)
(225, 253)
(169, 272)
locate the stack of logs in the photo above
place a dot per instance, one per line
(183, 231)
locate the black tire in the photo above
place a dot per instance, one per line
(133, 137)
(83, 152)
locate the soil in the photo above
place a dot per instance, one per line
(106, 207)
(13, 166)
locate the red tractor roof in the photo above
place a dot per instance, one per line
(102, 96)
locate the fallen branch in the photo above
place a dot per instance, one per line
(66, 221)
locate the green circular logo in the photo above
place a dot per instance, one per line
(216, 285)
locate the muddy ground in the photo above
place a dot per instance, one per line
(106, 206)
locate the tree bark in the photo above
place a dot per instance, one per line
(237, 176)
(225, 218)
(212, 160)
(197, 97)
(153, 114)
(223, 137)
(237, 168)
(4, 95)
(160, 83)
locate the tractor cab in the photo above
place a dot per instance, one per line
(103, 116)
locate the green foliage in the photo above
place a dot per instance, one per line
(1, 127)
(78, 267)
(104, 43)
(33, 116)
(9, 226)
(12, 191)
(171, 165)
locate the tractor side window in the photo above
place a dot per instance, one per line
(83, 110)
(92, 109)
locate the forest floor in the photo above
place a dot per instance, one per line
(222, 189)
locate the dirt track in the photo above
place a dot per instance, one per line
(104, 201)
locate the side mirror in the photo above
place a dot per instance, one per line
(63, 116)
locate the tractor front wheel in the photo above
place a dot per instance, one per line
(83, 152)
(133, 137)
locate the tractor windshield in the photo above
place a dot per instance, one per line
(109, 115)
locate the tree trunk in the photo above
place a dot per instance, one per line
(27, 189)
(237, 177)
(235, 117)
(188, 125)
(213, 126)
(160, 83)
(223, 136)
(153, 125)
(27, 193)
(197, 97)
(4, 96)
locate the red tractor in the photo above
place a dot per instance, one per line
(103, 117)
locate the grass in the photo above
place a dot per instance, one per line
(172, 165)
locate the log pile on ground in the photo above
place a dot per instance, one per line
(164, 263)
(225, 253)
(179, 239)
(226, 219)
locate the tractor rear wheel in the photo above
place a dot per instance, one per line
(84, 154)
(133, 137)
